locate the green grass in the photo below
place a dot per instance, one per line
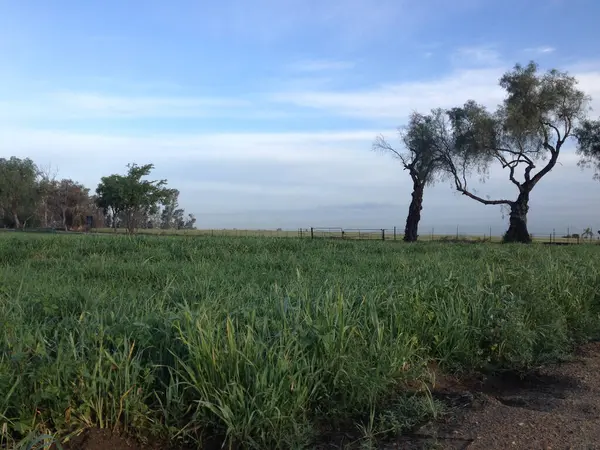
(268, 343)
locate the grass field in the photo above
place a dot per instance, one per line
(269, 343)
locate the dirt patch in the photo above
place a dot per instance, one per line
(95, 439)
(557, 407)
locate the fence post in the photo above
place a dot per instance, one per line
(394, 233)
(312, 233)
(432, 234)
(457, 232)
(490, 234)
(383, 234)
(553, 235)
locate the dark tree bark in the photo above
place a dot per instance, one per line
(414, 212)
(517, 229)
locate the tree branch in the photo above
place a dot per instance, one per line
(519, 154)
(511, 175)
(382, 145)
(554, 128)
(554, 151)
(482, 200)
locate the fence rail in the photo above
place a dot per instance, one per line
(383, 234)
(586, 236)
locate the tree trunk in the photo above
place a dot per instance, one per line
(64, 218)
(114, 220)
(517, 230)
(45, 213)
(131, 222)
(414, 213)
(16, 220)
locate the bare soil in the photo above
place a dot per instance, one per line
(557, 407)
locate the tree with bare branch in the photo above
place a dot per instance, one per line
(421, 156)
(538, 115)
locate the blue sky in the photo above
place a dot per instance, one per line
(263, 112)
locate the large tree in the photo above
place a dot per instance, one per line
(422, 156)
(19, 190)
(525, 135)
(588, 145)
(132, 196)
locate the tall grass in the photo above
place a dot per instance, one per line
(268, 342)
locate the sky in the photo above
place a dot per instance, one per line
(263, 112)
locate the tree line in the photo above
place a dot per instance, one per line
(524, 135)
(32, 197)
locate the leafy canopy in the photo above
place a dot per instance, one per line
(132, 195)
(423, 154)
(588, 140)
(539, 113)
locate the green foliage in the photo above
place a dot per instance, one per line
(260, 341)
(538, 115)
(19, 190)
(588, 145)
(133, 196)
(424, 150)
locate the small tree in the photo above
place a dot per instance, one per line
(588, 145)
(132, 196)
(172, 215)
(538, 115)
(70, 199)
(19, 190)
(190, 222)
(423, 158)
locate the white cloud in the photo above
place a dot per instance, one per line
(94, 105)
(476, 56)
(289, 148)
(279, 170)
(397, 100)
(540, 50)
(114, 106)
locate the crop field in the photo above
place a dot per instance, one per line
(269, 342)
